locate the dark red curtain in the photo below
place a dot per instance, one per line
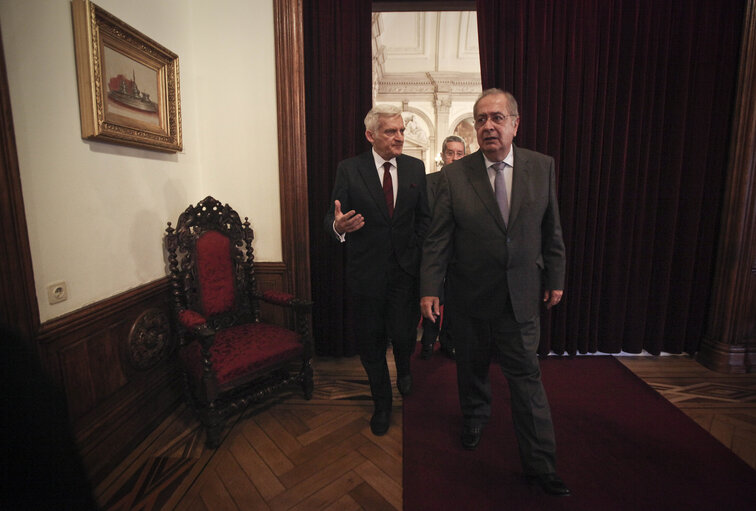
(338, 85)
(634, 100)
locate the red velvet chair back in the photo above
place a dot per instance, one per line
(215, 273)
(214, 263)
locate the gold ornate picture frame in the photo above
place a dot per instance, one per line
(128, 83)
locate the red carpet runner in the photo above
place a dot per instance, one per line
(621, 446)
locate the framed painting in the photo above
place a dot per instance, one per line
(128, 83)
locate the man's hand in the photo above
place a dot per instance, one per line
(346, 222)
(430, 307)
(552, 297)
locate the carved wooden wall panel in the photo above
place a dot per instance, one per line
(115, 361)
(272, 276)
(112, 404)
(91, 370)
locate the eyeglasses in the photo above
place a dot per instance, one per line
(495, 118)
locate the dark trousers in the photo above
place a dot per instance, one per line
(515, 345)
(380, 319)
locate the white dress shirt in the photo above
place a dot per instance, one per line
(379, 161)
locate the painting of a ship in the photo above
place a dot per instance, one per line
(126, 92)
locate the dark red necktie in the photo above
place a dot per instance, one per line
(388, 188)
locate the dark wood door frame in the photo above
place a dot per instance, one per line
(292, 145)
(18, 297)
(729, 344)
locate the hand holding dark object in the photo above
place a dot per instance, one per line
(430, 307)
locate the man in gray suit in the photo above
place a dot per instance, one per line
(501, 262)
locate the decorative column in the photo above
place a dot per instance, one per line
(442, 105)
(730, 341)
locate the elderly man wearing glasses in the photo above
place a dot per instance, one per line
(496, 238)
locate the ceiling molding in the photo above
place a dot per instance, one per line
(427, 84)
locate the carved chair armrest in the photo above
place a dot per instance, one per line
(190, 319)
(302, 311)
(196, 325)
(286, 300)
(204, 332)
(277, 297)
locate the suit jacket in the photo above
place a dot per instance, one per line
(484, 259)
(370, 249)
(432, 179)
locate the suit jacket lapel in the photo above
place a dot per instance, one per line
(404, 182)
(477, 174)
(520, 178)
(372, 182)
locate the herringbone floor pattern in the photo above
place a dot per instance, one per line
(304, 455)
(291, 454)
(722, 404)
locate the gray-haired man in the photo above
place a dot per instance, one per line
(379, 210)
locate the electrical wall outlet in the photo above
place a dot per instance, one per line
(57, 292)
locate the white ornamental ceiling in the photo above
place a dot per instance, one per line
(418, 50)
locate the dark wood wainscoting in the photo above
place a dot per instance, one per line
(115, 361)
(272, 276)
(117, 385)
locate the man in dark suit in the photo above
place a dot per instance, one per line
(501, 263)
(452, 149)
(380, 211)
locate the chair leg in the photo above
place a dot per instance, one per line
(213, 423)
(213, 437)
(188, 392)
(307, 381)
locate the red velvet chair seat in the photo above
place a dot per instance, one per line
(243, 350)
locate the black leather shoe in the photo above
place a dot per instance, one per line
(471, 437)
(379, 423)
(551, 484)
(404, 384)
(427, 351)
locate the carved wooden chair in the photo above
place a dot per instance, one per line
(230, 358)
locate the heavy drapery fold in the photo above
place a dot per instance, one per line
(634, 99)
(338, 94)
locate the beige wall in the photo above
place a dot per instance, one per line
(96, 212)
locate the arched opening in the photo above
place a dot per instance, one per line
(427, 62)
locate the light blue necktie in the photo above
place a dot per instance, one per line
(500, 190)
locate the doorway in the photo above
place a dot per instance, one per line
(427, 63)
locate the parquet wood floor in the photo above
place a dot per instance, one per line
(294, 454)
(722, 404)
